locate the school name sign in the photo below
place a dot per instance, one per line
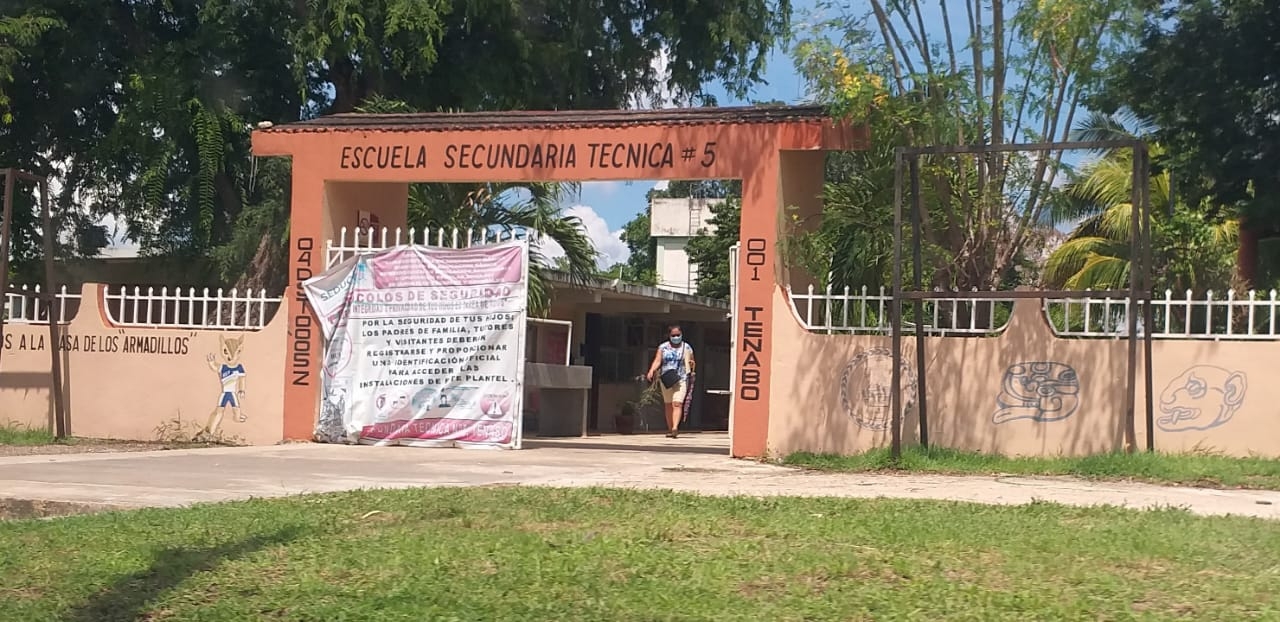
(424, 346)
(487, 156)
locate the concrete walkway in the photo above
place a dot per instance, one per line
(696, 464)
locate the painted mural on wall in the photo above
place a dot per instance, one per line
(1041, 391)
(1201, 398)
(231, 376)
(194, 381)
(866, 388)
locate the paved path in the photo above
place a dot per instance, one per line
(177, 478)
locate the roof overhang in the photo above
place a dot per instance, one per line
(797, 127)
(626, 298)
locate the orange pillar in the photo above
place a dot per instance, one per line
(306, 259)
(753, 317)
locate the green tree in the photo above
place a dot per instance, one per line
(143, 109)
(140, 110)
(641, 266)
(710, 250)
(1006, 74)
(1202, 74)
(1188, 251)
(19, 33)
(698, 188)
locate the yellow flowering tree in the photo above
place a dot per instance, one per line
(1006, 73)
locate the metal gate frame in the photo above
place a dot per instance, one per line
(61, 424)
(1140, 264)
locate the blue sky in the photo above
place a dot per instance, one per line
(619, 202)
(606, 206)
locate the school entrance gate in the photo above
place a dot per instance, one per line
(352, 167)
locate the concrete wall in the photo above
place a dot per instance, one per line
(344, 201)
(672, 222)
(140, 383)
(671, 217)
(1024, 392)
(673, 266)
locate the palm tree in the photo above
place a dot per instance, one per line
(533, 209)
(1096, 254)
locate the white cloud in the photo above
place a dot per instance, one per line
(608, 188)
(661, 185)
(608, 243)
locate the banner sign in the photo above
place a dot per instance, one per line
(424, 346)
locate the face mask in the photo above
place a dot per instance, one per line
(676, 340)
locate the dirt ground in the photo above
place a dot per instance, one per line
(696, 464)
(94, 446)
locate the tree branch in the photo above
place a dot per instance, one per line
(975, 45)
(921, 37)
(894, 41)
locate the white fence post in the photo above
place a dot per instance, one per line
(1199, 315)
(25, 306)
(372, 240)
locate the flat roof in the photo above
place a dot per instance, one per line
(560, 119)
(624, 290)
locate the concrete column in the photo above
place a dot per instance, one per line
(758, 271)
(345, 200)
(802, 179)
(319, 211)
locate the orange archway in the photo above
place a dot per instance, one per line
(345, 164)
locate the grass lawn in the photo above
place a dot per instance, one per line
(605, 555)
(1206, 470)
(22, 435)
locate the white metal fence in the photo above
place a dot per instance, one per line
(863, 311)
(221, 309)
(1188, 316)
(352, 242)
(188, 308)
(26, 307)
(1252, 315)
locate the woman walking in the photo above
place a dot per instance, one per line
(673, 366)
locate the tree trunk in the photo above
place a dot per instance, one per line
(227, 196)
(267, 270)
(1247, 255)
(346, 88)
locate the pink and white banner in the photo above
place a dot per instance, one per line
(424, 346)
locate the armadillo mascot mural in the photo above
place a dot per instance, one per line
(424, 346)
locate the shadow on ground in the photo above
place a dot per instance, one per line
(130, 596)
(674, 448)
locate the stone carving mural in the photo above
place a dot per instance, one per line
(866, 388)
(1201, 398)
(1040, 391)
